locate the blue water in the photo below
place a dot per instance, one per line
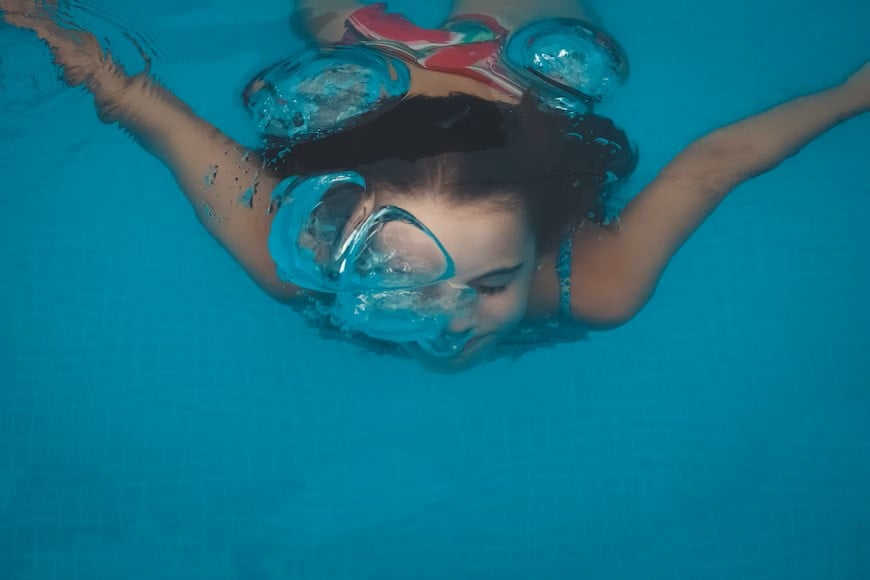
(161, 418)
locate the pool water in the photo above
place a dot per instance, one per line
(160, 417)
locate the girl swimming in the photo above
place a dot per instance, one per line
(462, 199)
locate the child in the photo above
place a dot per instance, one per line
(443, 223)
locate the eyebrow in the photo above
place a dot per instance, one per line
(501, 271)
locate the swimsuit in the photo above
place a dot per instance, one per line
(567, 65)
(563, 269)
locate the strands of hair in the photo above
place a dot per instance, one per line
(468, 150)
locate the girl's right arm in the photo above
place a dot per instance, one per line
(226, 183)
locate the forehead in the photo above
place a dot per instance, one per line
(479, 236)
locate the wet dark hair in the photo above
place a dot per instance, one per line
(469, 150)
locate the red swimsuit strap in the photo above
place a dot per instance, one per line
(469, 45)
(373, 22)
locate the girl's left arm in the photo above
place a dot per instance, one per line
(617, 267)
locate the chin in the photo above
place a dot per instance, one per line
(475, 352)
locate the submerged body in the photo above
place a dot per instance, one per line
(492, 243)
(369, 88)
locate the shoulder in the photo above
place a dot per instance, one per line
(606, 289)
(601, 292)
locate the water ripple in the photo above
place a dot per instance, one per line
(128, 22)
(30, 83)
(39, 114)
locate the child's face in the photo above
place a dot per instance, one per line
(494, 252)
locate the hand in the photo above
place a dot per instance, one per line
(77, 52)
(858, 87)
(26, 14)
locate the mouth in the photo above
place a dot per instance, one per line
(473, 348)
(474, 343)
(464, 360)
(461, 356)
(446, 345)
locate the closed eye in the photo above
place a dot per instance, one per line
(489, 290)
(496, 281)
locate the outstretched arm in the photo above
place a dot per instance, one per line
(226, 183)
(617, 268)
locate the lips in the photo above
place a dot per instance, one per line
(447, 352)
(475, 342)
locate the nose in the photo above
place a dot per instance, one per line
(461, 324)
(464, 318)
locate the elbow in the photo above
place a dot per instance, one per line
(607, 302)
(602, 320)
(276, 289)
(606, 312)
(721, 163)
(281, 296)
